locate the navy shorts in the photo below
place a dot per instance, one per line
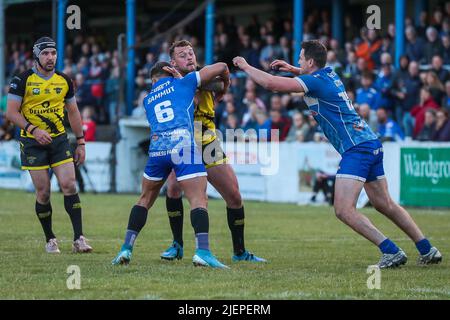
(186, 166)
(363, 162)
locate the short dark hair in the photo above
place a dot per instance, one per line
(177, 44)
(367, 75)
(314, 49)
(158, 70)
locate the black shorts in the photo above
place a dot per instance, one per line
(213, 154)
(35, 156)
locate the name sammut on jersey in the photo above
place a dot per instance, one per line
(327, 99)
(170, 112)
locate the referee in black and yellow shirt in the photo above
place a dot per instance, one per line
(36, 103)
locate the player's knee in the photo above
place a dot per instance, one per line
(174, 191)
(342, 213)
(43, 194)
(68, 186)
(384, 207)
(199, 201)
(234, 199)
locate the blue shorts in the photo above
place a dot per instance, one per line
(161, 163)
(363, 162)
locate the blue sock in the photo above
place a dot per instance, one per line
(387, 246)
(423, 246)
(202, 241)
(130, 237)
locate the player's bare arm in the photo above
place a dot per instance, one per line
(13, 114)
(266, 80)
(211, 73)
(76, 124)
(215, 85)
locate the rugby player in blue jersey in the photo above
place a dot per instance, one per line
(170, 112)
(362, 153)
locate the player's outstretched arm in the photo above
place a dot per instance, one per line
(77, 127)
(281, 65)
(266, 80)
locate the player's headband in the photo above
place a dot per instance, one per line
(39, 47)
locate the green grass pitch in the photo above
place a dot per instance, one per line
(311, 254)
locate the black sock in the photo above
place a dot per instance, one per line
(236, 220)
(44, 213)
(136, 221)
(200, 223)
(174, 208)
(73, 207)
(138, 218)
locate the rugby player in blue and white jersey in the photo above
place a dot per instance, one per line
(362, 153)
(170, 113)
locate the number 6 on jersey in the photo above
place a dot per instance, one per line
(163, 111)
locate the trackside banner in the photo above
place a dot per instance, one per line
(425, 176)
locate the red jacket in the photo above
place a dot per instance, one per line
(283, 125)
(418, 112)
(89, 128)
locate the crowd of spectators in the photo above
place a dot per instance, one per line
(409, 102)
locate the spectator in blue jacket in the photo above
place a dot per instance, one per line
(388, 129)
(383, 85)
(367, 93)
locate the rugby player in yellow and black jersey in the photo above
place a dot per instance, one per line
(220, 173)
(37, 99)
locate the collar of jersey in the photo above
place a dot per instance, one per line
(41, 75)
(161, 79)
(324, 69)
